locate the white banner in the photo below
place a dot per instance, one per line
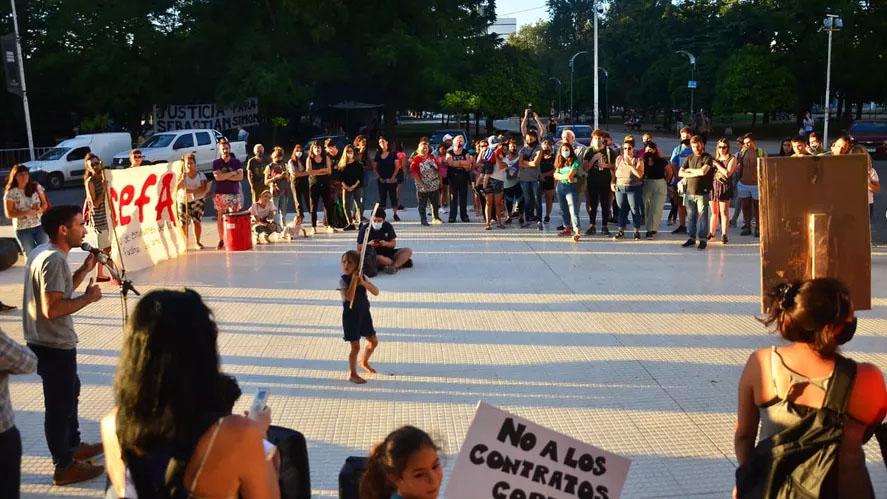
(507, 457)
(144, 216)
(178, 117)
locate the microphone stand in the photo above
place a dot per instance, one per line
(124, 283)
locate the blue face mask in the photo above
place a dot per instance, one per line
(565, 154)
(377, 225)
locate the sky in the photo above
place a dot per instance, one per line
(510, 8)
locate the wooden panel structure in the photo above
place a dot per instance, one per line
(815, 223)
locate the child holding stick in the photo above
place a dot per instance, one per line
(356, 318)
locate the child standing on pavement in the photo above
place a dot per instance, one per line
(356, 319)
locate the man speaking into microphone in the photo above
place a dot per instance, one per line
(49, 331)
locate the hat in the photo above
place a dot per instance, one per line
(447, 137)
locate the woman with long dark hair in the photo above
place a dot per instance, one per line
(405, 466)
(24, 202)
(781, 385)
(319, 169)
(387, 168)
(172, 434)
(566, 174)
(299, 182)
(351, 175)
(722, 191)
(95, 185)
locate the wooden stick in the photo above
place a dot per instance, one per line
(363, 252)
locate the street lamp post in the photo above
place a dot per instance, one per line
(692, 75)
(596, 100)
(572, 69)
(606, 95)
(560, 92)
(831, 23)
(21, 69)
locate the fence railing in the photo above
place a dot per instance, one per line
(9, 157)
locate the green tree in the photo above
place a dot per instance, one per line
(755, 81)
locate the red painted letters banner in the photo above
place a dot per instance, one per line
(143, 213)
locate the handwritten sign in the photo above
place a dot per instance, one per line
(507, 457)
(144, 216)
(179, 117)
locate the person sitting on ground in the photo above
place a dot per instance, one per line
(171, 434)
(384, 242)
(263, 213)
(405, 465)
(781, 385)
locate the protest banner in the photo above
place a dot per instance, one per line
(507, 457)
(179, 117)
(144, 216)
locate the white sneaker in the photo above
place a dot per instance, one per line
(436, 221)
(330, 230)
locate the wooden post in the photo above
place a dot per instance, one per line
(363, 252)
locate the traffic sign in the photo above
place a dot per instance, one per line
(691, 84)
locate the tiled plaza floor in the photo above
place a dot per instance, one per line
(635, 347)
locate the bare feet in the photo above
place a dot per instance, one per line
(366, 367)
(357, 380)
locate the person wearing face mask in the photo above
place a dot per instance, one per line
(511, 185)
(383, 239)
(318, 167)
(680, 153)
(529, 178)
(599, 163)
(698, 169)
(815, 147)
(628, 185)
(386, 167)
(781, 386)
(567, 174)
(228, 172)
(96, 186)
(546, 161)
(351, 173)
(298, 174)
(277, 181)
(423, 167)
(255, 167)
(459, 163)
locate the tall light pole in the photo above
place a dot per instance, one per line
(560, 92)
(606, 95)
(831, 23)
(21, 69)
(692, 76)
(572, 69)
(596, 101)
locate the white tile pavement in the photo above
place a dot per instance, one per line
(632, 346)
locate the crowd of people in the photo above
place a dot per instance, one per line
(172, 433)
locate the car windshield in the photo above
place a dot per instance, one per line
(157, 141)
(54, 154)
(870, 127)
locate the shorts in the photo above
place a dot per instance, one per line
(495, 186)
(191, 211)
(746, 191)
(486, 168)
(547, 183)
(400, 177)
(445, 181)
(357, 322)
(385, 251)
(104, 238)
(228, 202)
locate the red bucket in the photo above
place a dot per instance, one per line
(238, 234)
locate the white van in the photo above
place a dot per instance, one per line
(64, 162)
(169, 147)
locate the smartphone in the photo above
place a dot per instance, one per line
(259, 403)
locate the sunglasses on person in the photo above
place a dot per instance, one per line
(722, 146)
(628, 148)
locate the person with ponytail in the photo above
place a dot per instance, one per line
(781, 385)
(404, 466)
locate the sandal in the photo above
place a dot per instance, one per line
(6, 308)
(487, 227)
(199, 245)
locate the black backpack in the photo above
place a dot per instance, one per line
(801, 462)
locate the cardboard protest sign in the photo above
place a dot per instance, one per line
(507, 457)
(815, 223)
(143, 214)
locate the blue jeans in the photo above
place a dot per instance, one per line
(28, 239)
(568, 198)
(697, 215)
(282, 203)
(532, 199)
(630, 197)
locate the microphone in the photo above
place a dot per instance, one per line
(102, 257)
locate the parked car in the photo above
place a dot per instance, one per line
(341, 141)
(168, 147)
(583, 133)
(872, 134)
(438, 135)
(64, 162)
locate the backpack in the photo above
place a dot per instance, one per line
(370, 263)
(801, 462)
